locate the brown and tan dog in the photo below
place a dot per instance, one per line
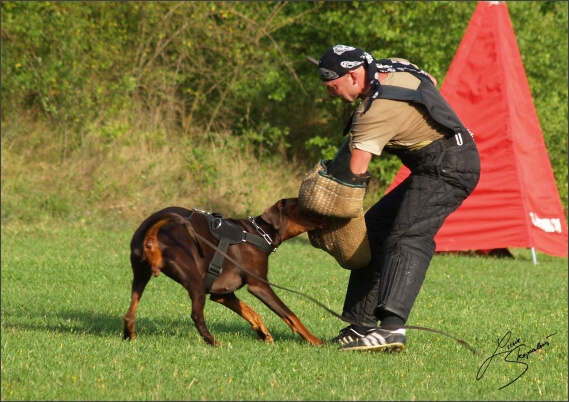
(177, 242)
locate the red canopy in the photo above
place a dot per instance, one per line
(516, 203)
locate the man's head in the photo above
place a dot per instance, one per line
(342, 70)
(340, 59)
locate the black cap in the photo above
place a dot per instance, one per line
(338, 60)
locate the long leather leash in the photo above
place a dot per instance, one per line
(213, 246)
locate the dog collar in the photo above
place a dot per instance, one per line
(262, 233)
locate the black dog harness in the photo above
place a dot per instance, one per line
(229, 233)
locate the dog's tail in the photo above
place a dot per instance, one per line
(151, 247)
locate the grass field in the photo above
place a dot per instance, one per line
(65, 290)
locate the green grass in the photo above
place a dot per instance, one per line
(65, 290)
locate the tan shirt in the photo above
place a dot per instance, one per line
(393, 124)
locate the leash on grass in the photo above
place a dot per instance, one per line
(213, 246)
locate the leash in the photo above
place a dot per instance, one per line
(332, 312)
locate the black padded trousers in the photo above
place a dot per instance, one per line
(401, 228)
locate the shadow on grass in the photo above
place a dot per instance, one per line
(79, 322)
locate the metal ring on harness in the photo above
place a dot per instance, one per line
(216, 223)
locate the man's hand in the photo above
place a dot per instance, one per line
(362, 179)
(346, 176)
(432, 79)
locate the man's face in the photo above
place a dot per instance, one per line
(344, 87)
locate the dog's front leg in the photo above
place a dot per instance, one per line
(264, 293)
(233, 303)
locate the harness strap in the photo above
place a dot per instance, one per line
(390, 92)
(259, 242)
(223, 229)
(400, 93)
(427, 95)
(228, 233)
(215, 269)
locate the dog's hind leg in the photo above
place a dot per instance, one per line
(233, 303)
(141, 278)
(264, 293)
(193, 283)
(198, 304)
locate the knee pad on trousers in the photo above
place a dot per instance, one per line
(361, 296)
(402, 276)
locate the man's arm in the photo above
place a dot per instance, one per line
(360, 161)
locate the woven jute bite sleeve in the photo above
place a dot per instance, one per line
(322, 194)
(345, 238)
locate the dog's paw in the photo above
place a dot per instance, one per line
(265, 336)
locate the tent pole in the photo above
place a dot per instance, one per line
(533, 256)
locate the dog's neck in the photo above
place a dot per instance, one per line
(268, 229)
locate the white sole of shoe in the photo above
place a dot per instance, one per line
(392, 348)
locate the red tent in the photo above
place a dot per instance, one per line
(516, 203)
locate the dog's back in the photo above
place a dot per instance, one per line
(137, 241)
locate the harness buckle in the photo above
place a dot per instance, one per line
(458, 138)
(214, 269)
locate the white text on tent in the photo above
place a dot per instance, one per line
(548, 225)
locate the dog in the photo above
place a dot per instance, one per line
(181, 244)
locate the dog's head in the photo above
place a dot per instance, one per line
(288, 221)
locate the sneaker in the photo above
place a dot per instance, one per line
(378, 340)
(350, 334)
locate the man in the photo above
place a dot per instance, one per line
(403, 113)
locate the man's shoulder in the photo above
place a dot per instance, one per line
(402, 79)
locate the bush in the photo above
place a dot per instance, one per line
(95, 74)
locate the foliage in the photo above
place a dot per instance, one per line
(188, 67)
(95, 71)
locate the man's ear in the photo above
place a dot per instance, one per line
(353, 76)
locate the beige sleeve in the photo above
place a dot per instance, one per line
(371, 131)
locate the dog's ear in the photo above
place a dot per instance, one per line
(274, 216)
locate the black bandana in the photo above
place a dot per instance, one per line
(340, 59)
